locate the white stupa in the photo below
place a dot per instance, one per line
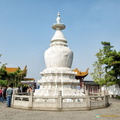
(58, 86)
(58, 75)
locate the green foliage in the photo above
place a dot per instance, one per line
(15, 77)
(109, 62)
(0, 56)
(3, 83)
(3, 72)
(12, 77)
(99, 71)
(117, 97)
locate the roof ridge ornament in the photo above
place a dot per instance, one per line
(58, 18)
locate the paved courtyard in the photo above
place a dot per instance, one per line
(110, 113)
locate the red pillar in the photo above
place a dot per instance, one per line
(81, 80)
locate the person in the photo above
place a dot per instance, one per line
(34, 87)
(24, 89)
(1, 94)
(29, 90)
(9, 92)
(4, 92)
(19, 90)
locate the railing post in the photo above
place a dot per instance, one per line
(31, 100)
(105, 100)
(99, 92)
(88, 102)
(13, 97)
(86, 92)
(106, 92)
(103, 93)
(59, 100)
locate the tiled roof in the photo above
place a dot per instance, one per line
(11, 69)
(81, 74)
(90, 83)
(29, 79)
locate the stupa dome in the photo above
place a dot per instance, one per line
(58, 55)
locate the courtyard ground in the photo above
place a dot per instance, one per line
(110, 113)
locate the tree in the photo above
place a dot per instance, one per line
(3, 72)
(99, 71)
(12, 77)
(109, 62)
(0, 56)
(3, 83)
(15, 77)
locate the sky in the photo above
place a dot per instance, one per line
(26, 31)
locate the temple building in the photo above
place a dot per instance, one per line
(80, 76)
(11, 69)
(27, 81)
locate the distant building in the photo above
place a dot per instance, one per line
(27, 81)
(91, 86)
(113, 90)
(80, 76)
(10, 70)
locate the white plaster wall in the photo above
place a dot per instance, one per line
(112, 90)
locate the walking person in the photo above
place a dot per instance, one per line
(9, 92)
(4, 92)
(1, 94)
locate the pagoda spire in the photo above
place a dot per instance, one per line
(58, 38)
(58, 18)
(58, 25)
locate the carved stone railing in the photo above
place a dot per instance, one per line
(59, 102)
